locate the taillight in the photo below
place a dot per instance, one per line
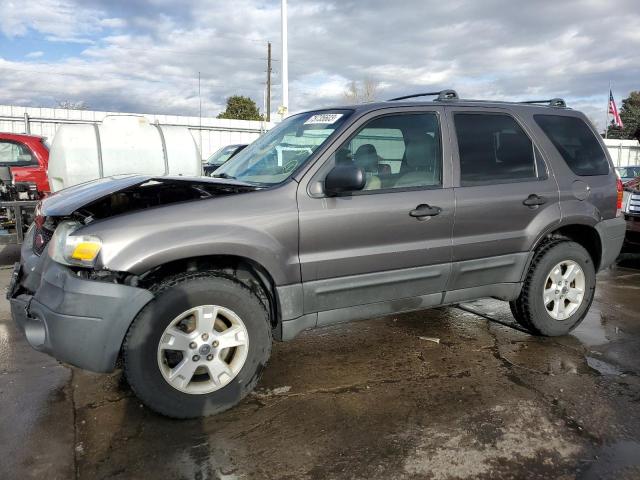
(620, 191)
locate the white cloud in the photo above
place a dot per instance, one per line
(36, 54)
(113, 22)
(57, 19)
(489, 49)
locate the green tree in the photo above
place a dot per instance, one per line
(241, 108)
(630, 115)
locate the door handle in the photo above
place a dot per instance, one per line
(425, 210)
(534, 200)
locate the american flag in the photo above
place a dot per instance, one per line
(613, 110)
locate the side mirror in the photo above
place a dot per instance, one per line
(344, 178)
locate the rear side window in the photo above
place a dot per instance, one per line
(576, 143)
(493, 149)
(13, 153)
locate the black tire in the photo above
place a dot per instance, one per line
(529, 309)
(172, 297)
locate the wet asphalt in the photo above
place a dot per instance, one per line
(442, 394)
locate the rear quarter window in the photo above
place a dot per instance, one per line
(576, 143)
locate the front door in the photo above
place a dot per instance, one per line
(391, 240)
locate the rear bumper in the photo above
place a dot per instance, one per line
(612, 233)
(78, 321)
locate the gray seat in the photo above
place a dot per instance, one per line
(420, 167)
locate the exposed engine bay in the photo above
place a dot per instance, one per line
(104, 199)
(154, 193)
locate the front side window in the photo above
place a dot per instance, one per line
(493, 149)
(576, 143)
(397, 151)
(272, 158)
(12, 153)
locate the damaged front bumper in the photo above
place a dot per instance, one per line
(78, 321)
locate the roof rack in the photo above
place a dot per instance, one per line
(553, 102)
(441, 95)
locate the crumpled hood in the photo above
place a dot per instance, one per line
(67, 201)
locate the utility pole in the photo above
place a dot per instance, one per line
(285, 61)
(200, 116)
(268, 100)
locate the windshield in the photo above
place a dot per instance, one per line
(272, 158)
(629, 172)
(222, 155)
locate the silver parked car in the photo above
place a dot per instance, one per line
(333, 215)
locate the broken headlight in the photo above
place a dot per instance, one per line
(69, 249)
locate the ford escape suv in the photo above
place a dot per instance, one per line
(333, 215)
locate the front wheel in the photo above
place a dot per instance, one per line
(557, 291)
(198, 347)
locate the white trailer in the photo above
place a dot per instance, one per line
(623, 152)
(120, 144)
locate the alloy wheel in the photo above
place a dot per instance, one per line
(564, 290)
(203, 349)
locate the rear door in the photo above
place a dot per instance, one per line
(505, 193)
(372, 246)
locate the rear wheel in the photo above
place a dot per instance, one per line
(199, 347)
(557, 291)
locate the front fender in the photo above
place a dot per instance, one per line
(261, 226)
(161, 247)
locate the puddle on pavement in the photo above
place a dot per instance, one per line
(614, 458)
(591, 332)
(602, 367)
(595, 332)
(202, 460)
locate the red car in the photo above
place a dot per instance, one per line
(27, 157)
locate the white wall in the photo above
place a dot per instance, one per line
(214, 133)
(623, 152)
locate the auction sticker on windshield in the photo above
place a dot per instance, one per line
(323, 118)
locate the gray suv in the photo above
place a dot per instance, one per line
(333, 215)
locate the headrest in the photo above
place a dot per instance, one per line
(420, 153)
(366, 157)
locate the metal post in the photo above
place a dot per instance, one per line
(285, 60)
(200, 117)
(606, 125)
(27, 126)
(619, 155)
(268, 99)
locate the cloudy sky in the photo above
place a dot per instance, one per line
(145, 55)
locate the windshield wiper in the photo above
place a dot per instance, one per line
(224, 175)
